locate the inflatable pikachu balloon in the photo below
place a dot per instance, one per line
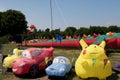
(93, 61)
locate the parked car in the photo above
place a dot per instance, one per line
(33, 60)
(12, 56)
(60, 67)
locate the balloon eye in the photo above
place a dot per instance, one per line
(86, 47)
(94, 46)
(84, 52)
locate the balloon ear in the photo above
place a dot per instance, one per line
(83, 43)
(102, 44)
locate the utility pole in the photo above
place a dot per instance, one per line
(51, 15)
(51, 18)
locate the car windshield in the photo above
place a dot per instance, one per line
(59, 60)
(37, 53)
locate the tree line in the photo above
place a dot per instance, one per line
(71, 31)
(13, 22)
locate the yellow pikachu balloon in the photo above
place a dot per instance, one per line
(93, 61)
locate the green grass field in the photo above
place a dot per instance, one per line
(72, 54)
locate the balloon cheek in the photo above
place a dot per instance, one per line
(84, 52)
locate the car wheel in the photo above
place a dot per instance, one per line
(34, 71)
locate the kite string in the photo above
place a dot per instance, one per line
(61, 13)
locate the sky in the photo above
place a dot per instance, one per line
(66, 13)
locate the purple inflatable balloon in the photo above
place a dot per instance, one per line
(118, 65)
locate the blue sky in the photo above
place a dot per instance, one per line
(77, 13)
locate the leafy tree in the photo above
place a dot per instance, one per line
(95, 29)
(82, 30)
(42, 34)
(13, 22)
(47, 30)
(63, 34)
(57, 31)
(118, 29)
(103, 30)
(0, 22)
(113, 28)
(70, 31)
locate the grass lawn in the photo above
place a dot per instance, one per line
(72, 54)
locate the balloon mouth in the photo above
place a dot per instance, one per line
(93, 53)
